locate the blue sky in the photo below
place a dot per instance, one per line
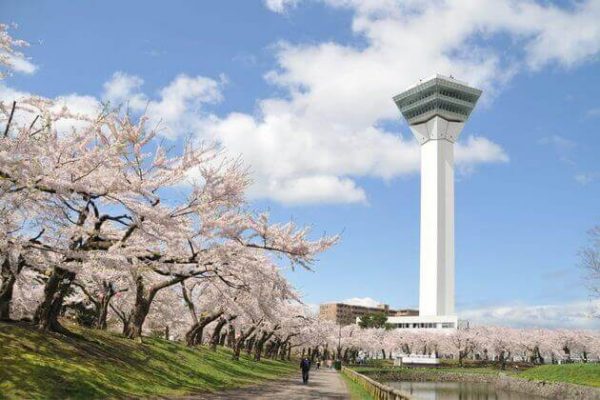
(302, 89)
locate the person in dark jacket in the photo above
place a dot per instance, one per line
(305, 367)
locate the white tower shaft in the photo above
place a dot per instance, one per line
(436, 291)
(436, 294)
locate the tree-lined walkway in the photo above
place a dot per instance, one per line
(323, 384)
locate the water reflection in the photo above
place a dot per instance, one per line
(458, 391)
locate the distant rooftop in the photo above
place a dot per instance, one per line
(438, 95)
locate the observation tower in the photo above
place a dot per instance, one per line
(436, 110)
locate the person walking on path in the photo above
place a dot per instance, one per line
(305, 367)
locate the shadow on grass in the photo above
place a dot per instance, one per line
(94, 364)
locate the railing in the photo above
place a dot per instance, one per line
(378, 390)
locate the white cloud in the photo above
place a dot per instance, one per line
(310, 189)
(178, 108)
(549, 33)
(477, 150)
(124, 88)
(559, 142)
(184, 94)
(79, 104)
(328, 129)
(75, 103)
(585, 178)
(562, 146)
(21, 64)
(280, 6)
(338, 94)
(8, 94)
(582, 314)
(593, 112)
(362, 301)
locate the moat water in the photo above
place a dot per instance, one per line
(458, 391)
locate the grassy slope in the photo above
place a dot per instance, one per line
(356, 391)
(104, 365)
(581, 374)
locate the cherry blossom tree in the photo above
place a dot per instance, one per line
(108, 200)
(15, 205)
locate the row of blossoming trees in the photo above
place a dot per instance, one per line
(486, 344)
(101, 223)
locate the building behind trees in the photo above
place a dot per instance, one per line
(346, 314)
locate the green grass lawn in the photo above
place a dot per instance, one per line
(104, 365)
(356, 391)
(581, 374)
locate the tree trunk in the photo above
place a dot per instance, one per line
(283, 351)
(274, 350)
(216, 336)
(102, 313)
(193, 336)
(6, 288)
(57, 286)
(140, 310)
(250, 345)
(270, 348)
(125, 327)
(503, 357)
(258, 347)
(123, 317)
(142, 304)
(239, 344)
(103, 304)
(231, 336)
(261, 343)
(315, 354)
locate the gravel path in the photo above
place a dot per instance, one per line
(323, 384)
